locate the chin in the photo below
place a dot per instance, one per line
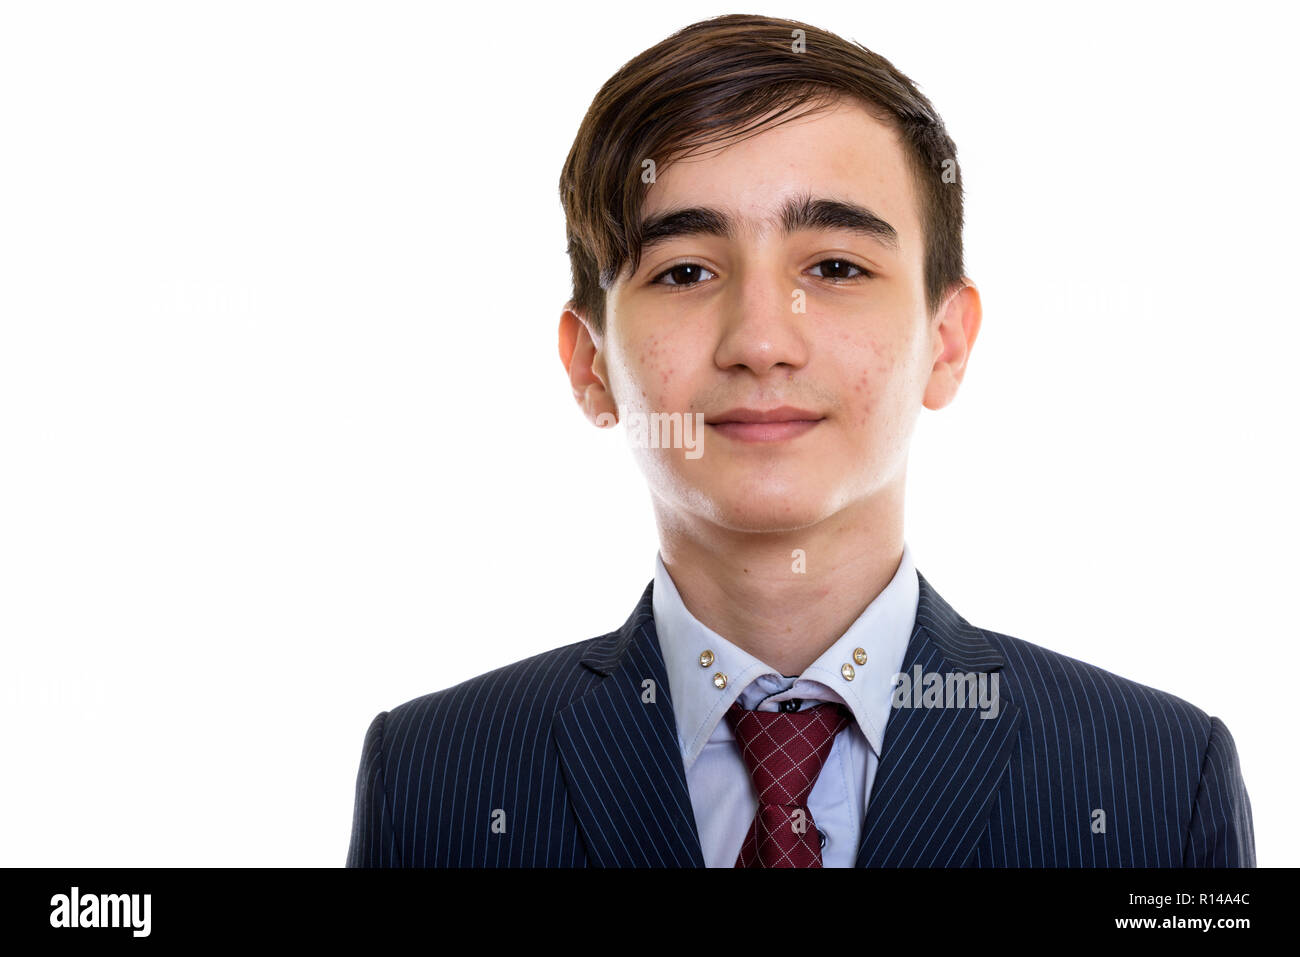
(765, 513)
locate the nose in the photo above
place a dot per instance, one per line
(761, 326)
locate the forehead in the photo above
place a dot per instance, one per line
(841, 153)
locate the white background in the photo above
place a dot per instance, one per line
(285, 440)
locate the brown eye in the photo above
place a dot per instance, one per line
(683, 274)
(839, 268)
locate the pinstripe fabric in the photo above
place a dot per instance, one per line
(561, 760)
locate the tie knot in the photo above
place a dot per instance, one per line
(784, 752)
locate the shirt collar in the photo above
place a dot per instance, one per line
(695, 657)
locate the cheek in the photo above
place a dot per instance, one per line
(871, 374)
(657, 372)
(879, 393)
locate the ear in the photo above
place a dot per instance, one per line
(584, 362)
(952, 335)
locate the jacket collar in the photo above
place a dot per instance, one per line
(935, 784)
(929, 802)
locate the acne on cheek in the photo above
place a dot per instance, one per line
(875, 375)
(655, 361)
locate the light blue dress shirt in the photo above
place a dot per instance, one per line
(722, 793)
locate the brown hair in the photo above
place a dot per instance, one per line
(718, 78)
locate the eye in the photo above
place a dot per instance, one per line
(839, 266)
(688, 274)
(683, 274)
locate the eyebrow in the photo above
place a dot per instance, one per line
(798, 213)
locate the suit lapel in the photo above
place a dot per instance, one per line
(939, 769)
(621, 759)
(929, 802)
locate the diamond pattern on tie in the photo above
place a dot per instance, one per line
(784, 753)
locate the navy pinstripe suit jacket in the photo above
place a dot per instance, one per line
(557, 761)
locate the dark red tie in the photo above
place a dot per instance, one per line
(784, 753)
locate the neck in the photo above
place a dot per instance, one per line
(748, 586)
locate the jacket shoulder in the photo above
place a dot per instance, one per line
(1045, 679)
(1124, 742)
(544, 683)
(440, 772)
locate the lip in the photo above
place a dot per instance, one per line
(764, 425)
(764, 431)
(784, 413)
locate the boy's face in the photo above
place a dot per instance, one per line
(711, 323)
